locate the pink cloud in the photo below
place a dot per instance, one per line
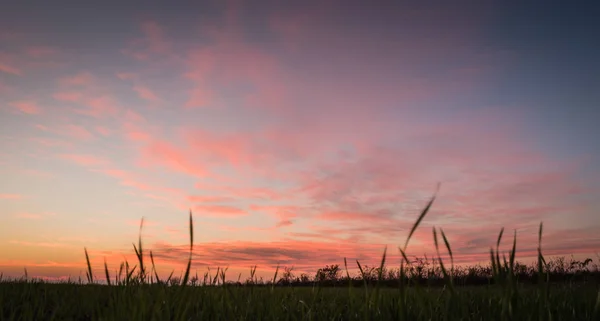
(90, 101)
(277, 210)
(363, 218)
(219, 211)
(165, 154)
(27, 107)
(284, 213)
(208, 199)
(242, 192)
(284, 223)
(135, 134)
(134, 127)
(145, 93)
(236, 149)
(4, 67)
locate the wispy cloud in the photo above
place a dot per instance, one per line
(167, 155)
(220, 211)
(27, 107)
(6, 68)
(145, 93)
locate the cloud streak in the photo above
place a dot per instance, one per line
(6, 68)
(27, 107)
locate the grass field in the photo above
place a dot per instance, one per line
(510, 291)
(38, 301)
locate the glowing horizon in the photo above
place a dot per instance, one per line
(297, 134)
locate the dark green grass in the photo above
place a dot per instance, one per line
(137, 293)
(44, 301)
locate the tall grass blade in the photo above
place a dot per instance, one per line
(106, 272)
(448, 247)
(382, 265)
(154, 268)
(140, 253)
(189, 265)
(274, 278)
(498, 264)
(120, 272)
(380, 274)
(499, 237)
(421, 216)
(451, 279)
(346, 267)
(130, 274)
(512, 252)
(89, 266)
(362, 273)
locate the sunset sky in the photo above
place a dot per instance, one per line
(297, 132)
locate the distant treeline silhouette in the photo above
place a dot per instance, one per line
(422, 271)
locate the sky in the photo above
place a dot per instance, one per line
(296, 132)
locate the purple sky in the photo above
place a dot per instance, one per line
(297, 132)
